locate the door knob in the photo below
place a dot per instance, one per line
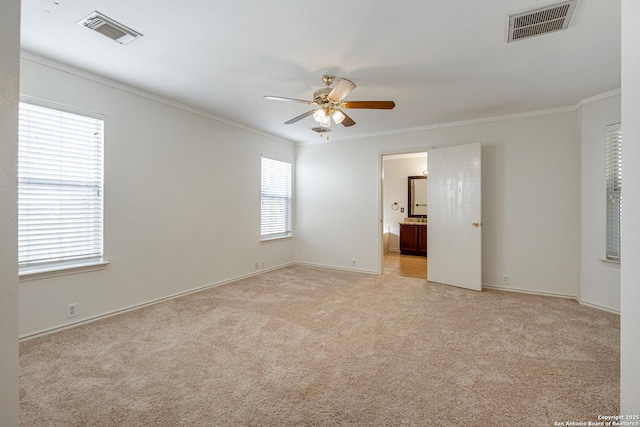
(476, 224)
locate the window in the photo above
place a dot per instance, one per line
(614, 185)
(276, 199)
(60, 179)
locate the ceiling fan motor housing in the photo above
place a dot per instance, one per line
(320, 97)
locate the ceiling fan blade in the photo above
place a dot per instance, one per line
(374, 105)
(300, 117)
(347, 121)
(342, 89)
(280, 98)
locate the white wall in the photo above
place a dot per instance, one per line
(630, 251)
(396, 172)
(531, 199)
(182, 202)
(9, 80)
(600, 282)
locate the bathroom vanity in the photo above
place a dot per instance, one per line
(413, 238)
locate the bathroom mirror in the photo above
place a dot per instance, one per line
(417, 196)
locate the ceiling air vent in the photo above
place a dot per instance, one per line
(541, 21)
(321, 130)
(108, 27)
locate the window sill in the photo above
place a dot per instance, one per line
(610, 263)
(279, 237)
(44, 272)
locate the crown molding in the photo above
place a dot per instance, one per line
(133, 90)
(453, 124)
(599, 97)
(48, 62)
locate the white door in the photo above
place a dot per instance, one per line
(454, 233)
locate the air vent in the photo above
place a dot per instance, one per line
(108, 27)
(321, 130)
(541, 21)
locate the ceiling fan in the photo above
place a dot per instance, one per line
(329, 102)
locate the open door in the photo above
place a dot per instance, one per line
(454, 234)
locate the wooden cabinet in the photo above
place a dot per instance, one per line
(413, 239)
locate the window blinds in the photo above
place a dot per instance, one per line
(614, 186)
(60, 178)
(276, 199)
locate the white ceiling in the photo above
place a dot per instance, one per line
(441, 61)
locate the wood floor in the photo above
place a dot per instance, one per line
(396, 264)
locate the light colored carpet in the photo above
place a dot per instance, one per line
(307, 346)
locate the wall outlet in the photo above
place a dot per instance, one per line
(262, 264)
(505, 280)
(71, 310)
(353, 262)
(257, 266)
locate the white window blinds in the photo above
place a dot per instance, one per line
(614, 187)
(276, 199)
(60, 178)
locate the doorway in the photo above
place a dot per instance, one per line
(396, 168)
(454, 198)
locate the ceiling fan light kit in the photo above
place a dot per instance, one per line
(319, 115)
(338, 116)
(329, 102)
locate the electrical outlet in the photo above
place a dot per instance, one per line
(505, 280)
(257, 266)
(71, 310)
(262, 263)
(353, 262)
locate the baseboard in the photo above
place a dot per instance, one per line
(599, 307)
(555, 295)
(530, 291)
(145, 304)
(259, 272)
(333, 267)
